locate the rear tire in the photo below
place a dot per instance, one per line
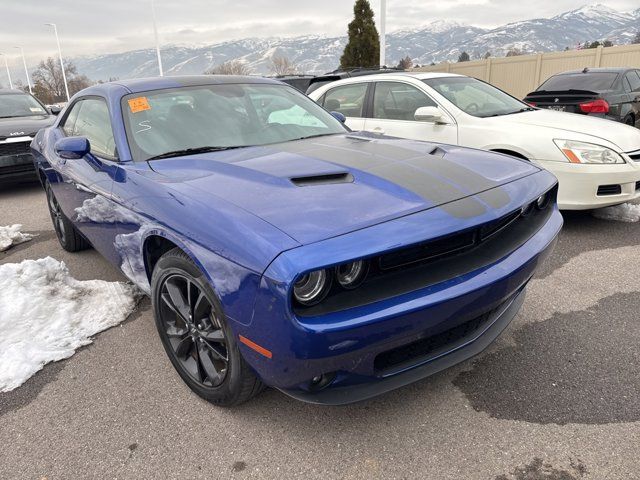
(195, 334)
(629, 120)
(66, 232)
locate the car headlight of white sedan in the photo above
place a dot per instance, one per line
(582, 152)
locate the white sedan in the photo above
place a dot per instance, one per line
(597, 161)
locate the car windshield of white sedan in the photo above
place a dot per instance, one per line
(19, 105)
(190, 120)
(475, 97)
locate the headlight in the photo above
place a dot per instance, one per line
(581, 152)
(311, 288)
(351, 275)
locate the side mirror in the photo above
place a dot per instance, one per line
(72, 148)
(339, 116)
(55, 109)
(430, 114)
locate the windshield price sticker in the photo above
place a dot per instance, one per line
(139, 104)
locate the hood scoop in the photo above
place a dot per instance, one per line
(324, 179)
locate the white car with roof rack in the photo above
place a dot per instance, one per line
(597, 162)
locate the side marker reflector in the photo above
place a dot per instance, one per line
(571, 156)
(255, 346)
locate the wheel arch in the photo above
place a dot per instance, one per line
(513, 153)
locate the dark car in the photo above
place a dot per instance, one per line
(612, 93)
(300, 82)
(21, 116)
(321, 80)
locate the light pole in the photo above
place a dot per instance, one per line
(383, 27)
(26, 70)
(155, 34)
(64, 76)
(6, 64)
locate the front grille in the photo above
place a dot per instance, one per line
(423, 349)
(14, 148)
(604, 190)
(16, 169)
(637, 185)
(434, 261)
(635, 156)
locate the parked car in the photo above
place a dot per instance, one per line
(597, 162)
(295, 254)
(611, 93)
(339, 74)
(301, 82)
(21, 116)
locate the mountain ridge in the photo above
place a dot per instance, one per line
(439, 40)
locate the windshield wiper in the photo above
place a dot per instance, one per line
(525, 109)
(316, 136)
(190, 151)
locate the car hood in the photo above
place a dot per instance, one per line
(318, 188)
(625, 137)
(21, 126)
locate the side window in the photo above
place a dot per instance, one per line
(398, 101)
(68, 127)
(94, 123)
(634, 81)
(347, 99)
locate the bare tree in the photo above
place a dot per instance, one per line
(230, 67)
(406, 63)
(282, 66)
(48, 83)
(514, 52)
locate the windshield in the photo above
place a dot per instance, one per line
(189, 120)
(596, 81)
(475, 97)
(20, 105)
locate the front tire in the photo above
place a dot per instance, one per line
(629, 120)
(66, 232)
(195, 334)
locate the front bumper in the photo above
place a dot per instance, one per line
(17, 168)
(463, 350)
(579, 184)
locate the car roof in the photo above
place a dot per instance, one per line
(597, 70)
(398, 75)
(11, 91)
(136, 85)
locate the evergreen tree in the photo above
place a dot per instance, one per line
(636, 39)
(363, 47)
(464, 57)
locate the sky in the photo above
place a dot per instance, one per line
(110, 26)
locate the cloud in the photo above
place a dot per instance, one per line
(120, 25)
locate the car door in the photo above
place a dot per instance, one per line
(633, 78)
(84, 194)
(349, 100)
(392, 113)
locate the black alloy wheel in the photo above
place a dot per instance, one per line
(66, 232)
(196, 335)
(194, 330)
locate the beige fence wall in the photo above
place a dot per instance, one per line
(522, 74)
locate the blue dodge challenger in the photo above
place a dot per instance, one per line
(281, 249)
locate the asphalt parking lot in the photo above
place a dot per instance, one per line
(556, 397)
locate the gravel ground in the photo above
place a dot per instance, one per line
(556, 397)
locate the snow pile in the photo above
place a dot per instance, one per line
(627, 212)
(11, 235)
(100, 210)
(45, 315)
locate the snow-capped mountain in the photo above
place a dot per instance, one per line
(434, 42)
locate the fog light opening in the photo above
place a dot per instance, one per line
(321, 381)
